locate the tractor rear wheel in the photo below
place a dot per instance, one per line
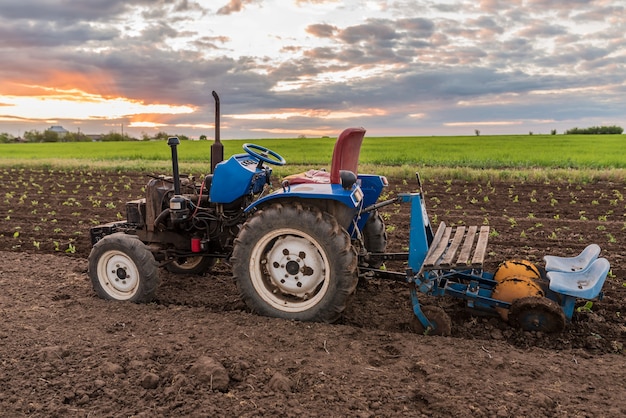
(295, 262)
(374, 239)
(537, 314)
(121, 267)
(190, 265)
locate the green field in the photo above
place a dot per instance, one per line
(520, 156)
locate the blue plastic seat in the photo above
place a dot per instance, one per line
(572, 264)
(584, 284)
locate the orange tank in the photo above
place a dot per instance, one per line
(516, 268)
(513, 288)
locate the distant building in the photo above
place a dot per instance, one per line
(61, 131)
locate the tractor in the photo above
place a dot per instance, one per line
(294, 252)
(298, 252)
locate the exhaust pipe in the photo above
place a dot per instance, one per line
(173, 142)
(217, 149)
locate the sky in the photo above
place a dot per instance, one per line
(290, 68)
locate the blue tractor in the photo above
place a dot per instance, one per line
(294, 252)
(298, 252)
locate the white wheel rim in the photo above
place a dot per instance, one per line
(289, 270)
(118, 274)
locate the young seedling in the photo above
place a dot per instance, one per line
(586, 307)
(512, 221)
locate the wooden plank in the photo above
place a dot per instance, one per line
(454, 247)
(438, 247)
(481, 246)
(438, 234)
(459, 234)
(467, 246)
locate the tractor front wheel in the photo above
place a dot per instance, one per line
(295, 262)
(121, 267)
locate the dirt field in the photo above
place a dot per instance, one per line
(196, 351)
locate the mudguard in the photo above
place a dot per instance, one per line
(352, 198)
(372, 186)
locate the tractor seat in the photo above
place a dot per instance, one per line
(345, 158)
(584, 284)
(572, 264)
(312, 176)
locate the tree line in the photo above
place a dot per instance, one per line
(51, 136)
(596, 130)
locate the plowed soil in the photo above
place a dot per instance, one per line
(197, 351)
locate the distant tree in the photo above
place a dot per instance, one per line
(75, 137)
(33, 136)
(5, 137)
(203, 137)
(530, 132)
(50, 136)
(596, 130)
(553, 132)
(113, 137)
(162, 136)
(477, 132)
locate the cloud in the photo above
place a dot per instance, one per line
(234, 6)
(305, 2)
(64, 11)
(321, 30)
(376, 31)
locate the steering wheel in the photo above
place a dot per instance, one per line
(264, 155)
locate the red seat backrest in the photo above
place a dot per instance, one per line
(346, 153)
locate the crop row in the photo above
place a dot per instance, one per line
(49, 210)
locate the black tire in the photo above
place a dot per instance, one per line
(534, 313)
(436, 315)
(121, 267)
(295, 262)
(190, 265)
(375, 239)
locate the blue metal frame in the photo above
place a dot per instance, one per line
(418, 242)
